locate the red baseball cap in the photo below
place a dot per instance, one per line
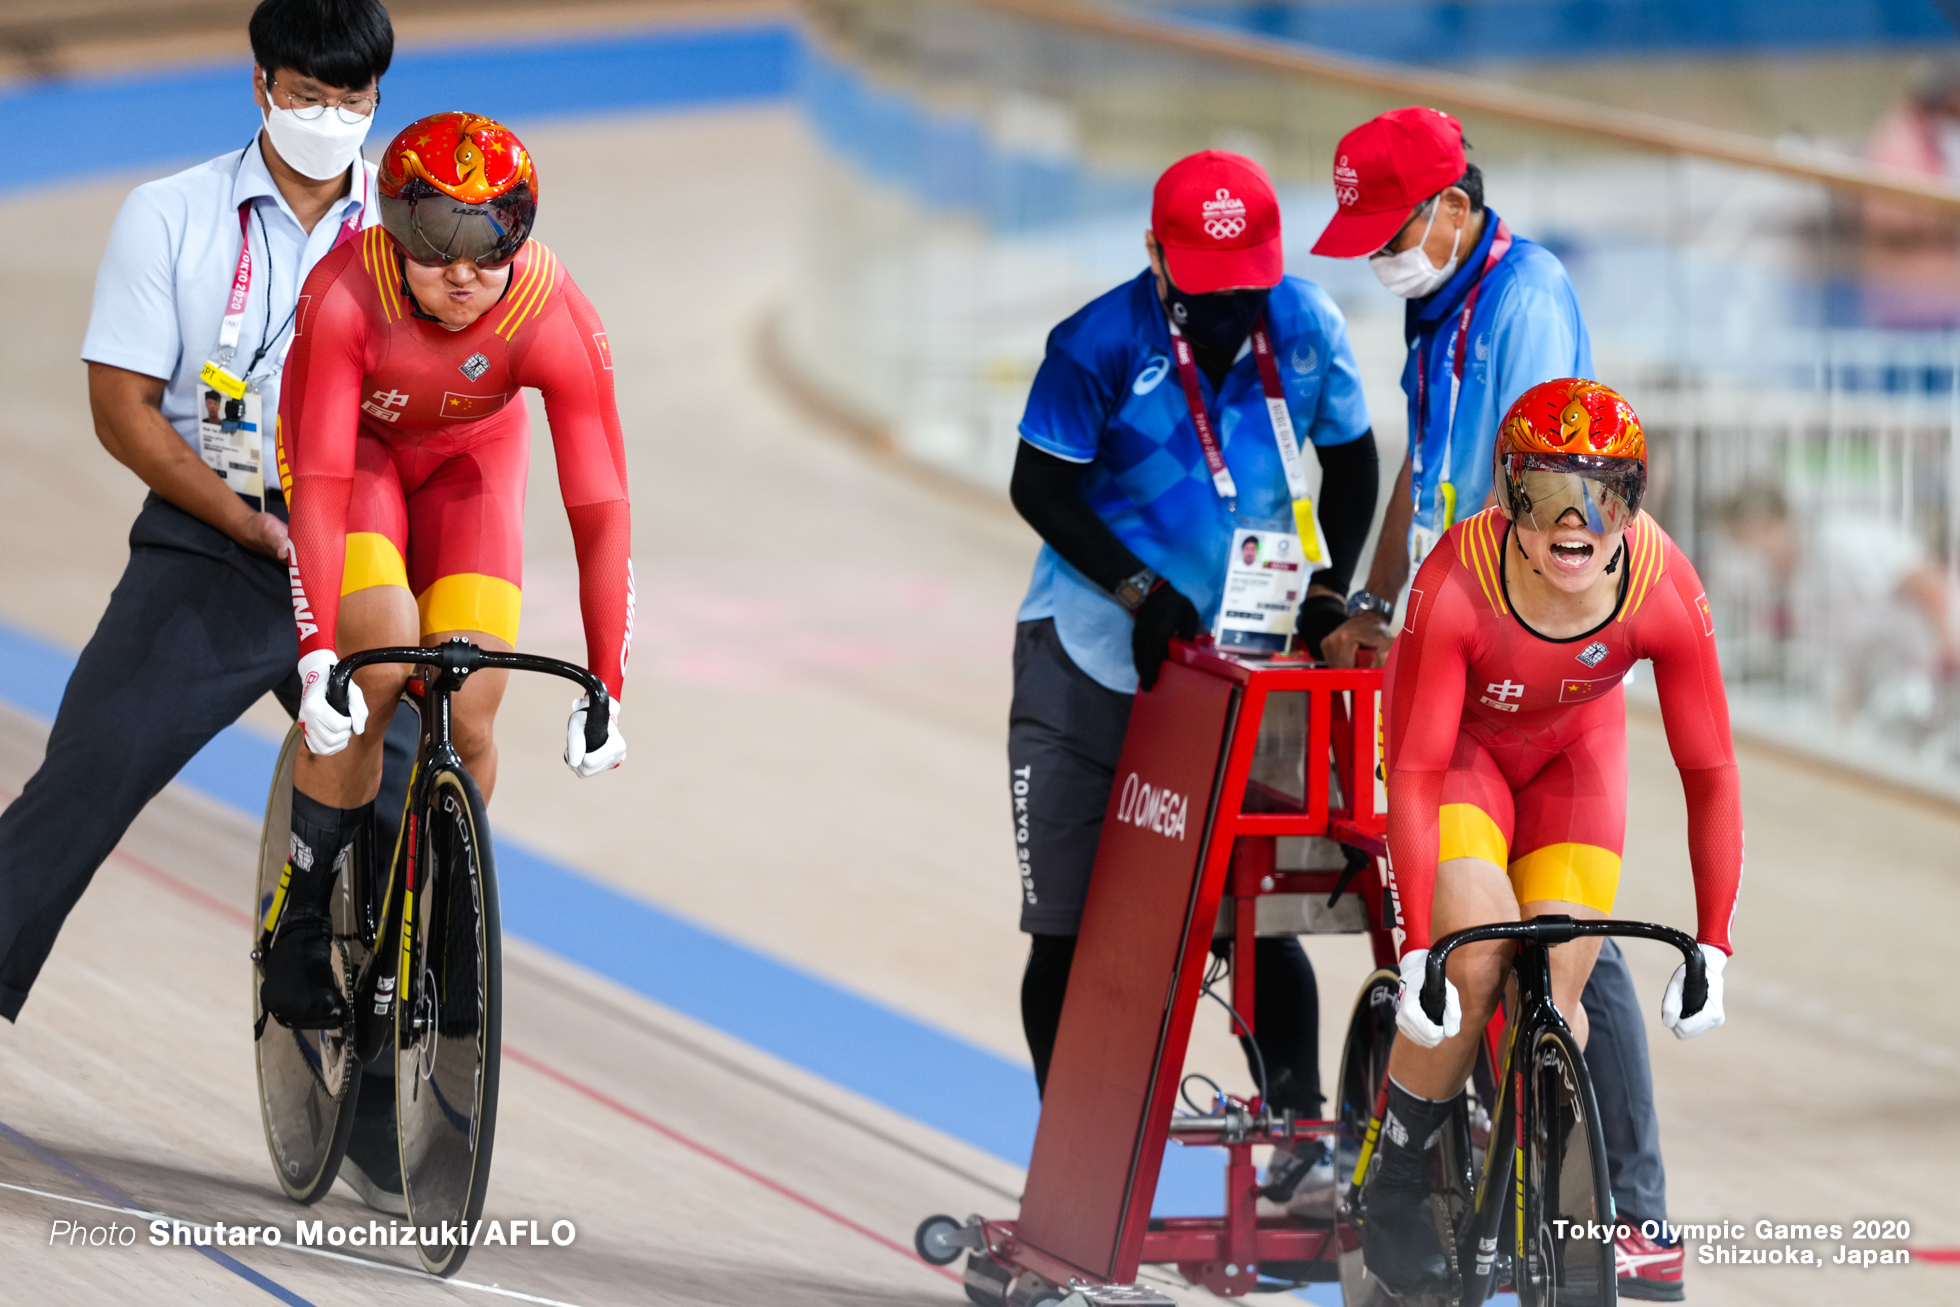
(1217, 219)
(1382, 170)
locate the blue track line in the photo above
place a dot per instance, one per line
(103, 1189)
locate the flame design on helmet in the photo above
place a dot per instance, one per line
(466, 156)
(1572, 416)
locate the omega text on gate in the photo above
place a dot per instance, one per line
(1153, 808)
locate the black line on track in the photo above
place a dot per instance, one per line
(722, 1062)
(104, 1189)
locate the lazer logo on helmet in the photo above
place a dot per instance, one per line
(1154, 809)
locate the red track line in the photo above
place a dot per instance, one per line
(604, 1100)
(184, 889)
(1934, 1254)
(181, 888)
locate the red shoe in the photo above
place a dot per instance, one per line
(1648, 1270)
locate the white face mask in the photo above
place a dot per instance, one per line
(1410, 273)
(322, 149)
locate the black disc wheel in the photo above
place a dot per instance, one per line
(1364, 1062)
(1568, 1183)
(449, 1022)
(308, 1079)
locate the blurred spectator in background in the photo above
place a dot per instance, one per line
(1873, 610)
(1911, 254)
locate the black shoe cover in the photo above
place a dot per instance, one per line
(299, 989)
(1398, 1239)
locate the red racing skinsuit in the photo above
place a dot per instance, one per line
(1509, 746)
(403, 447)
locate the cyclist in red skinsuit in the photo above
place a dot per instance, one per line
(1506, 745)
(1507, 763)
(409, 444)
(403, 447)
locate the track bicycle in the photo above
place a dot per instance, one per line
(1521, 1195)
(419, 960)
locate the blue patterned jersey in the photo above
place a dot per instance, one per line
(1108, 396)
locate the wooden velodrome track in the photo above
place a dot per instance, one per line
(817, 712)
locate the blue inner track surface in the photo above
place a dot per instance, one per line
(88, 127)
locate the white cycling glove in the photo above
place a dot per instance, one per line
(1710, 1015)
(609, 755)
(1410, 1019)
(327, 731)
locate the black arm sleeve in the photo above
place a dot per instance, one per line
(1044, 492)
(1350, 477)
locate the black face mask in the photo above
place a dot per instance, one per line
(1216, 324)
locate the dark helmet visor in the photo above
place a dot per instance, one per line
(1605, 492)
(435, 229)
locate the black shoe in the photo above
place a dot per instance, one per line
(299, 990)
(373, 1165)
(1398, 1239)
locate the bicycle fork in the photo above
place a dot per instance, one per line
(1503, 1169)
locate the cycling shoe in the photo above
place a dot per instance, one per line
(299, 990)
(1399, 1242)
(1302, 1178)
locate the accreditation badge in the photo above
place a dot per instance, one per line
(1265, 579)
(1422, 539)
(228, 435)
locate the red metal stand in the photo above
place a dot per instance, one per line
(1185, 828)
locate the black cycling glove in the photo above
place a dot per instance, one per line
(1163, 615)
(1319, 615)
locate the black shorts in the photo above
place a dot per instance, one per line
(1064, 736)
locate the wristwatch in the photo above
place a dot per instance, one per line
(1366, 601)
(1132, 590)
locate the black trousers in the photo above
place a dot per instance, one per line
(1623, 1084)
(197, 630)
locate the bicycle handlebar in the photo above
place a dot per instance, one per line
(1551, 930)
(461, 656)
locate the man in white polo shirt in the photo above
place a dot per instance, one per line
(194, 309)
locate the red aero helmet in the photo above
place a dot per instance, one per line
(458, 186)
(1571, 444)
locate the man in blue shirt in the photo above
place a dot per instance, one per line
(199, 288)
(1490, 314)
(1149, 448)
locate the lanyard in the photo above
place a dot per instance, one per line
(217, 371)
(1500, 246)
(1276, 413)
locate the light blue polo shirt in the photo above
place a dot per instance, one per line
(161, 290)
(1526, 328)
(1108, 396)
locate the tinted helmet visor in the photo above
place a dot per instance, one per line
(1541, 489)
(435, 229)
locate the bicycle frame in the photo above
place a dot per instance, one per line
(1505, 1172)
(445, 667)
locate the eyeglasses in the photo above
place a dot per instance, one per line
(349, 109)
